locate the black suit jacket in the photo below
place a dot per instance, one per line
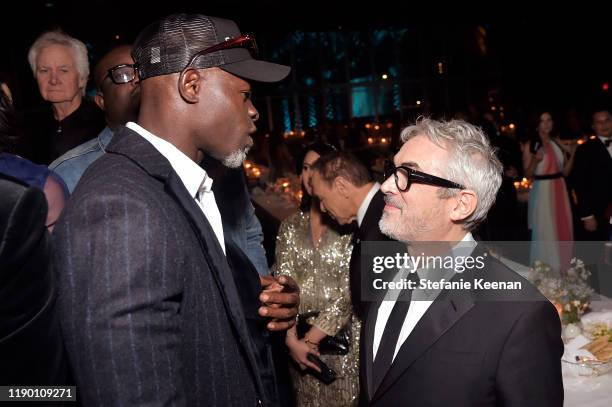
(468, 350)
(31, 351)
(368, 231)
(592, 177)
(149, 305)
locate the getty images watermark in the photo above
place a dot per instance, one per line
(490, 271)
(428, 280)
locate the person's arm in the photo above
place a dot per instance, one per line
(338, 308)
(530, 161)
(568, 163)
(586, 188)
(285, 252)
(255, 236)
(529, 370)
(280, 293)
(299, 350)
(57, 196)
(119, 300)
(285, 267)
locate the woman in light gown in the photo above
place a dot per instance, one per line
(317, 257)
(549, 213)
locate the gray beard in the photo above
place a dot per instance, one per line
(235, 159)
(388, 228)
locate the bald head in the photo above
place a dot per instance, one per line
(120, 101)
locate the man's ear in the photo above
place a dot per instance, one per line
(99, 99)
(190, 84)
(82, 83)
(463, 205)
(343, 186)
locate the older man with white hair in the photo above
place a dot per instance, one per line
(60, 66)
(495, 341)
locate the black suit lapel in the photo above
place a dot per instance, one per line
(368, 231)
(369, 226)
(444, 312)
(439, 318)
(133, 146)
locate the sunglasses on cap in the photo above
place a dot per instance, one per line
(246, 41)
(405, 176)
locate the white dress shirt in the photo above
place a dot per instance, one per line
(194, 177)
(415, 312)
(363, 208)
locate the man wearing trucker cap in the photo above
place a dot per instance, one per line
(156, 306)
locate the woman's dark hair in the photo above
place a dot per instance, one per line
(535, 122)
(8, 125)
(321, 149)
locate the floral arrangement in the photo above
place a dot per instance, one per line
(569, 292)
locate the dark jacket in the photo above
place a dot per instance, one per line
(31, 351)
(368, 231)
(151, 310)
(592, 175)
(237, 212)
(46, 139)
(470, 349)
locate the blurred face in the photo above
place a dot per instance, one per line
(417, 214)
(227, 116)
(120, 101)
(330, 200)
(546, 123)
(57, 75)
(602, 124)
(309, 160)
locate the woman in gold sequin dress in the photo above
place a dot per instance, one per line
(317, 257)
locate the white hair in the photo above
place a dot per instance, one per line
(472, 161)
(79, 51)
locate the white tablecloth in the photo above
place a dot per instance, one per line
(581, 391)
(278, 206)
(588, 391)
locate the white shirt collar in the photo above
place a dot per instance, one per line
(193, 176)
(363, 208)
(465, 246)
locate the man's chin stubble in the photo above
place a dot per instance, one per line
(389, 228)
(235, 159)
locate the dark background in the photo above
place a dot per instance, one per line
(551, 57)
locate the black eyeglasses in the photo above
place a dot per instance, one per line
(404, 176)
(121, 74)
(244, 41)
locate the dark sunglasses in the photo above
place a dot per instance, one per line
(244, 41)
(404, 176)
(121, 74)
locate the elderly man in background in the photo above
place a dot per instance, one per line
(61, 69)
(118, 95)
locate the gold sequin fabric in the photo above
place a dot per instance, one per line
(322, 273)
